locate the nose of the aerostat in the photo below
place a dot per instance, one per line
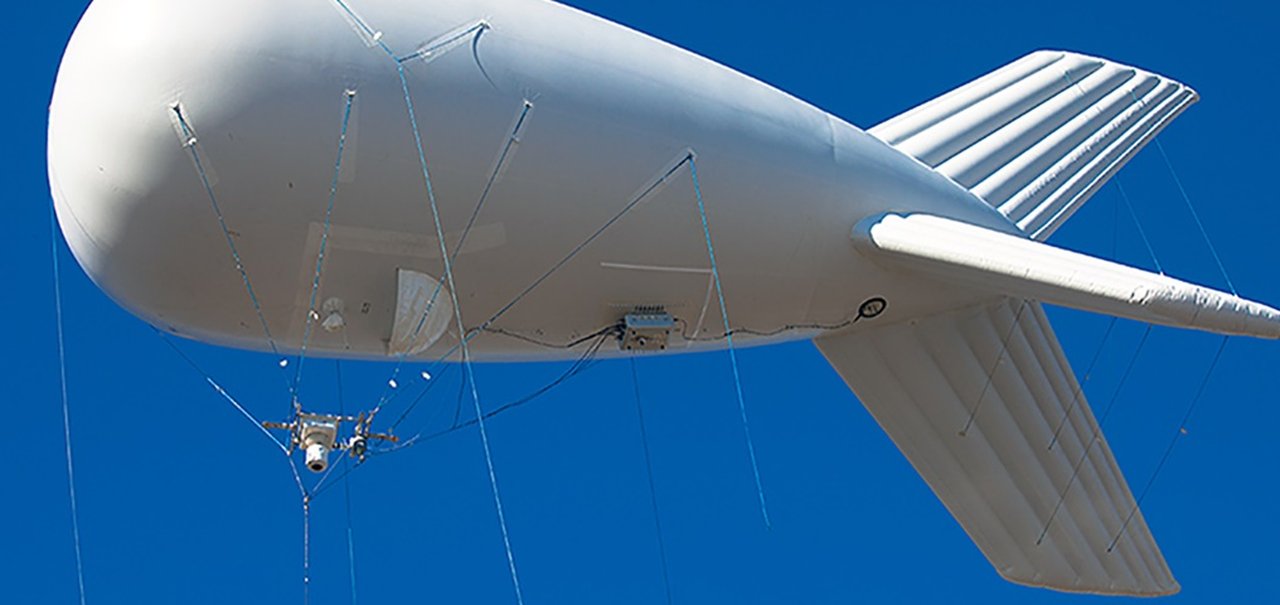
(141, 82)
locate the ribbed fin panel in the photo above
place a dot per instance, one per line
(1038, 137)
(923, 380)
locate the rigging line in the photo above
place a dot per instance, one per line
(438, 412)
(351, 547)
(447, 43)
(484, 327)
(1079, 390)
(462, 335)
(579, 366)
(1138, 223)
(337, 373)
(653, 492)
(325, 477)
(582, 364)
(1004, 349)
(733, 354)
(293, 466)
(390, 392)
(346, 487)
(66, 407)
(394, 392)
(474, 332)
(1106, 335)
(297, 478)
(1181, 430)
(192, 144)
(1190, 206)
(374, 37)
(306, 550)
(1097, 432)
(413, 404)
(221, 391)
(368, 31)
(512, 140)
(457, 407)
(1115, 229)
(347, 471)
(591, 238)
(1196, 215)
(350, 96)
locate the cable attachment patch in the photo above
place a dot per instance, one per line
(180, 118)
(440, 45)
(368, 35)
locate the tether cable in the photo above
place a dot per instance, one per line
(733, 354)
(512, 140)
(653, 491)
(346, 487)
(66, 407)
(303, 492)
(462, 335)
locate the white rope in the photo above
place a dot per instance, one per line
(66, 408)
(293, 466)
(221, 391)
(306, 549)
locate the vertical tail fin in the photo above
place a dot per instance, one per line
(984, 405)
(1038, 137)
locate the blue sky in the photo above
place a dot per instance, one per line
(182, 500)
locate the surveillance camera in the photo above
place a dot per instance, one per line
(358, 446)
(317, 457)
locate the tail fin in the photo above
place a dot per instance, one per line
(1027, 474)
(1038, 137)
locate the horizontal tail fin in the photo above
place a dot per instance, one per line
(1011, 265)
(1038, 137)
